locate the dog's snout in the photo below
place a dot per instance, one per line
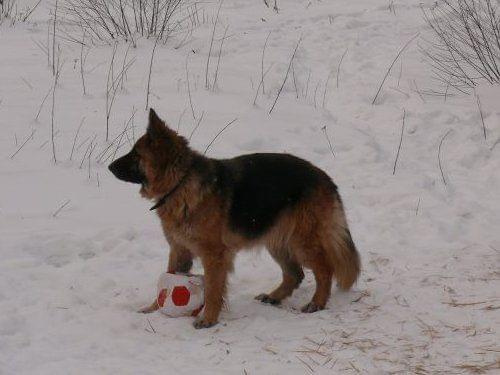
(127, 169)
(112, 167)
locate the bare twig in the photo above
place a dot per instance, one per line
(109, 81)
(207, 83)
(262, 75)
(295, 81)
(100, 156)
(82, 143)
(29, 11)
(305, 363)
(306, 91)
(189, 88)
(326, 88)
(151, 326)
(56, 77)
(392, 64)
(400, 70)
(87, 150)
(149, 75)
(400, 91)
(391, 7)
(48, 44)
(124, 63)
(180, 118)
(112, 85)
(82, 64)
(92, 148)
(47, 141)
(219, 58)
(74, 139)
(260, 84)
(328, 140)
(61, 207)
(354, 367)
(197, 125)
(125, 129)
(439, 155)
(418, 91)
(340, 64)
(286, 75)
(446, 92)
(315, 92)
(54, 40)
(27, 83)
(480, 113)
(25, 141)
(400, 143)
(217, 135)
(43, 101)
(454, 303)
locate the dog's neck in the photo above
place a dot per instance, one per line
(171, 192)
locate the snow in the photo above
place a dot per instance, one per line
(427, 300)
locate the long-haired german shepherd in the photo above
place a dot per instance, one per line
(212, 208)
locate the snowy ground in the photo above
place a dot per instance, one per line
(428, 297)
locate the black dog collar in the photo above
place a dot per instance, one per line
(163, 199)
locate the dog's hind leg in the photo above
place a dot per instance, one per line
(292, 277)
(323, 274)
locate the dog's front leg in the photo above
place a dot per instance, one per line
(180, 259)
(216, 266)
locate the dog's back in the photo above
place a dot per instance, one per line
(260, 187)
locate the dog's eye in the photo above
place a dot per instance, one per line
(135, 152)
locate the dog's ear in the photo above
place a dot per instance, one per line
(156, 127)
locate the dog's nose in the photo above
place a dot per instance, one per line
(112, 167)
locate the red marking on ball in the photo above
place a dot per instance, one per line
(180, 296)
(162, 297)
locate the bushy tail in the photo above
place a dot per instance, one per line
(342, 253)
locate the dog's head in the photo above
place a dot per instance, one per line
(149, 161)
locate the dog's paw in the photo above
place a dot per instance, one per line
(311, 307)
(149, 309)
(266, 299)
(201, 322)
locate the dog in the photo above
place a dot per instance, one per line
(212, 208)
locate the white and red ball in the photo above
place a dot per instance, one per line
(180, 294)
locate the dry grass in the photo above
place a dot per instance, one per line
(476, 368)
(109, 20)
(466, 44)
(455, 303)
(10, 11)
